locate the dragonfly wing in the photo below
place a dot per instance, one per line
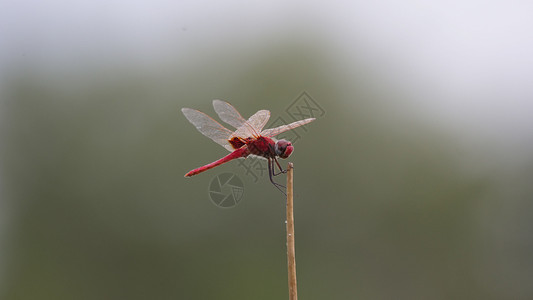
(277, 130)
(259, 120)
(209, 127)
(253, 126)
(228, 113)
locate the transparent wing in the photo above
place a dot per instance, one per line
(228, 113)
(252, 127)
(275, 131)
(259, 120)
(209, 127)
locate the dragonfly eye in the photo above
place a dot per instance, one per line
(283, 148)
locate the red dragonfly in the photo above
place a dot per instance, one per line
(249, 138)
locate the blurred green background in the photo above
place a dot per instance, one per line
(415, 183)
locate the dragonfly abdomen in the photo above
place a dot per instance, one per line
(242, 152)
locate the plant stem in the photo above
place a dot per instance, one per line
(291, 256)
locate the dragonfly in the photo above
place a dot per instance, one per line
(248, 138)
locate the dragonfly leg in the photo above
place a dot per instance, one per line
(281, 171)
(271, 173)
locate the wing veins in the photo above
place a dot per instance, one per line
(280, 129)
(209, 127)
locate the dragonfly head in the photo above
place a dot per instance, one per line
(283, 148)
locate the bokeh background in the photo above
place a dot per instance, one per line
(415, 183)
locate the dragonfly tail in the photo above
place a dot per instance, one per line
(241, 152)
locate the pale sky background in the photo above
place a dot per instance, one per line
(466, 65)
